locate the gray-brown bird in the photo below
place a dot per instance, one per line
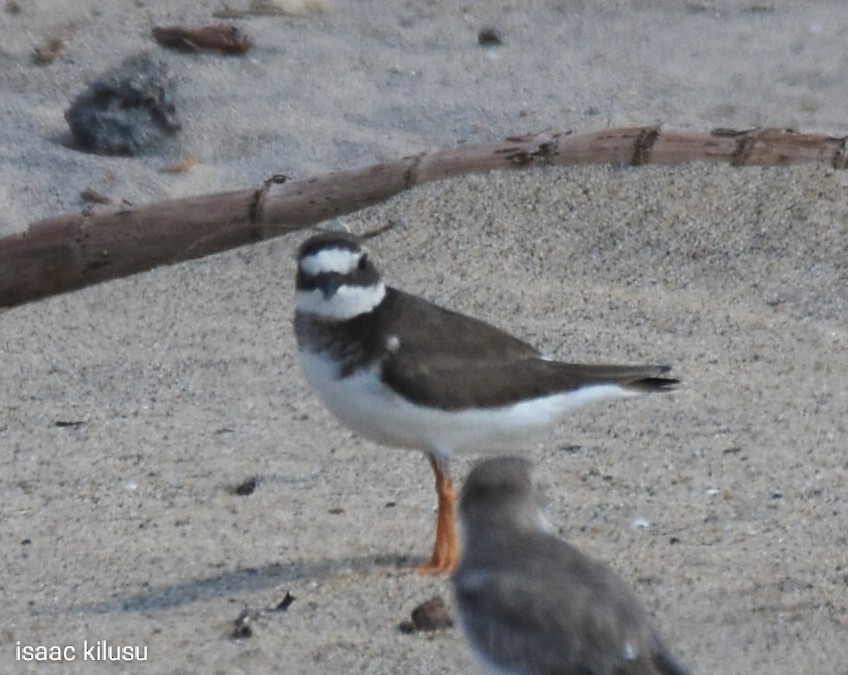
(532, 604)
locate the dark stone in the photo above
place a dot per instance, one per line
(430, 615)
(489, 37)
(128, 111)
(285, 603)
(246, 487)
(243, 628)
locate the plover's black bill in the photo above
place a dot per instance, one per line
(532, 604)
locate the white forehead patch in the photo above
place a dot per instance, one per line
(338, 260)
(346, 303)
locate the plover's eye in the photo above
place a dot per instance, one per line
(363, 262)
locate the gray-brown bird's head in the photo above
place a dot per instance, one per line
(499, 492)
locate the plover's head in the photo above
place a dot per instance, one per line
(336, 278)
(499, 492)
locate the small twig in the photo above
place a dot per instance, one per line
(180, 167)
(93, 196)
(225, 39)
(377, 231)
(243, 624)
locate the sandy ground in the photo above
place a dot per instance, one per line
(129, 411)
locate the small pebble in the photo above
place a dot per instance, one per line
(285, 603)
(243, 628)
(430, 615)
(246, 487)
(640, 523)
(489, 37)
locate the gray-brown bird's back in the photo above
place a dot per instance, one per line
(532, 604)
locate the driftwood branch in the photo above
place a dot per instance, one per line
(67, 252)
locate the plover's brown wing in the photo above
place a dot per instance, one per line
(456, 383)
(426, 329)
(446, 360)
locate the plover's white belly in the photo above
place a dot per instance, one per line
(374, 411)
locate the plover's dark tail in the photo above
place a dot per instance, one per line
(654, 384)
(639, 379)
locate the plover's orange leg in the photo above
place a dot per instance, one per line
(446, 549)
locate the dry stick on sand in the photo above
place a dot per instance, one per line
(71, 251)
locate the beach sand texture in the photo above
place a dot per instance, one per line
(130, 410)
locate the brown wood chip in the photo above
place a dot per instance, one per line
(225, 39)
